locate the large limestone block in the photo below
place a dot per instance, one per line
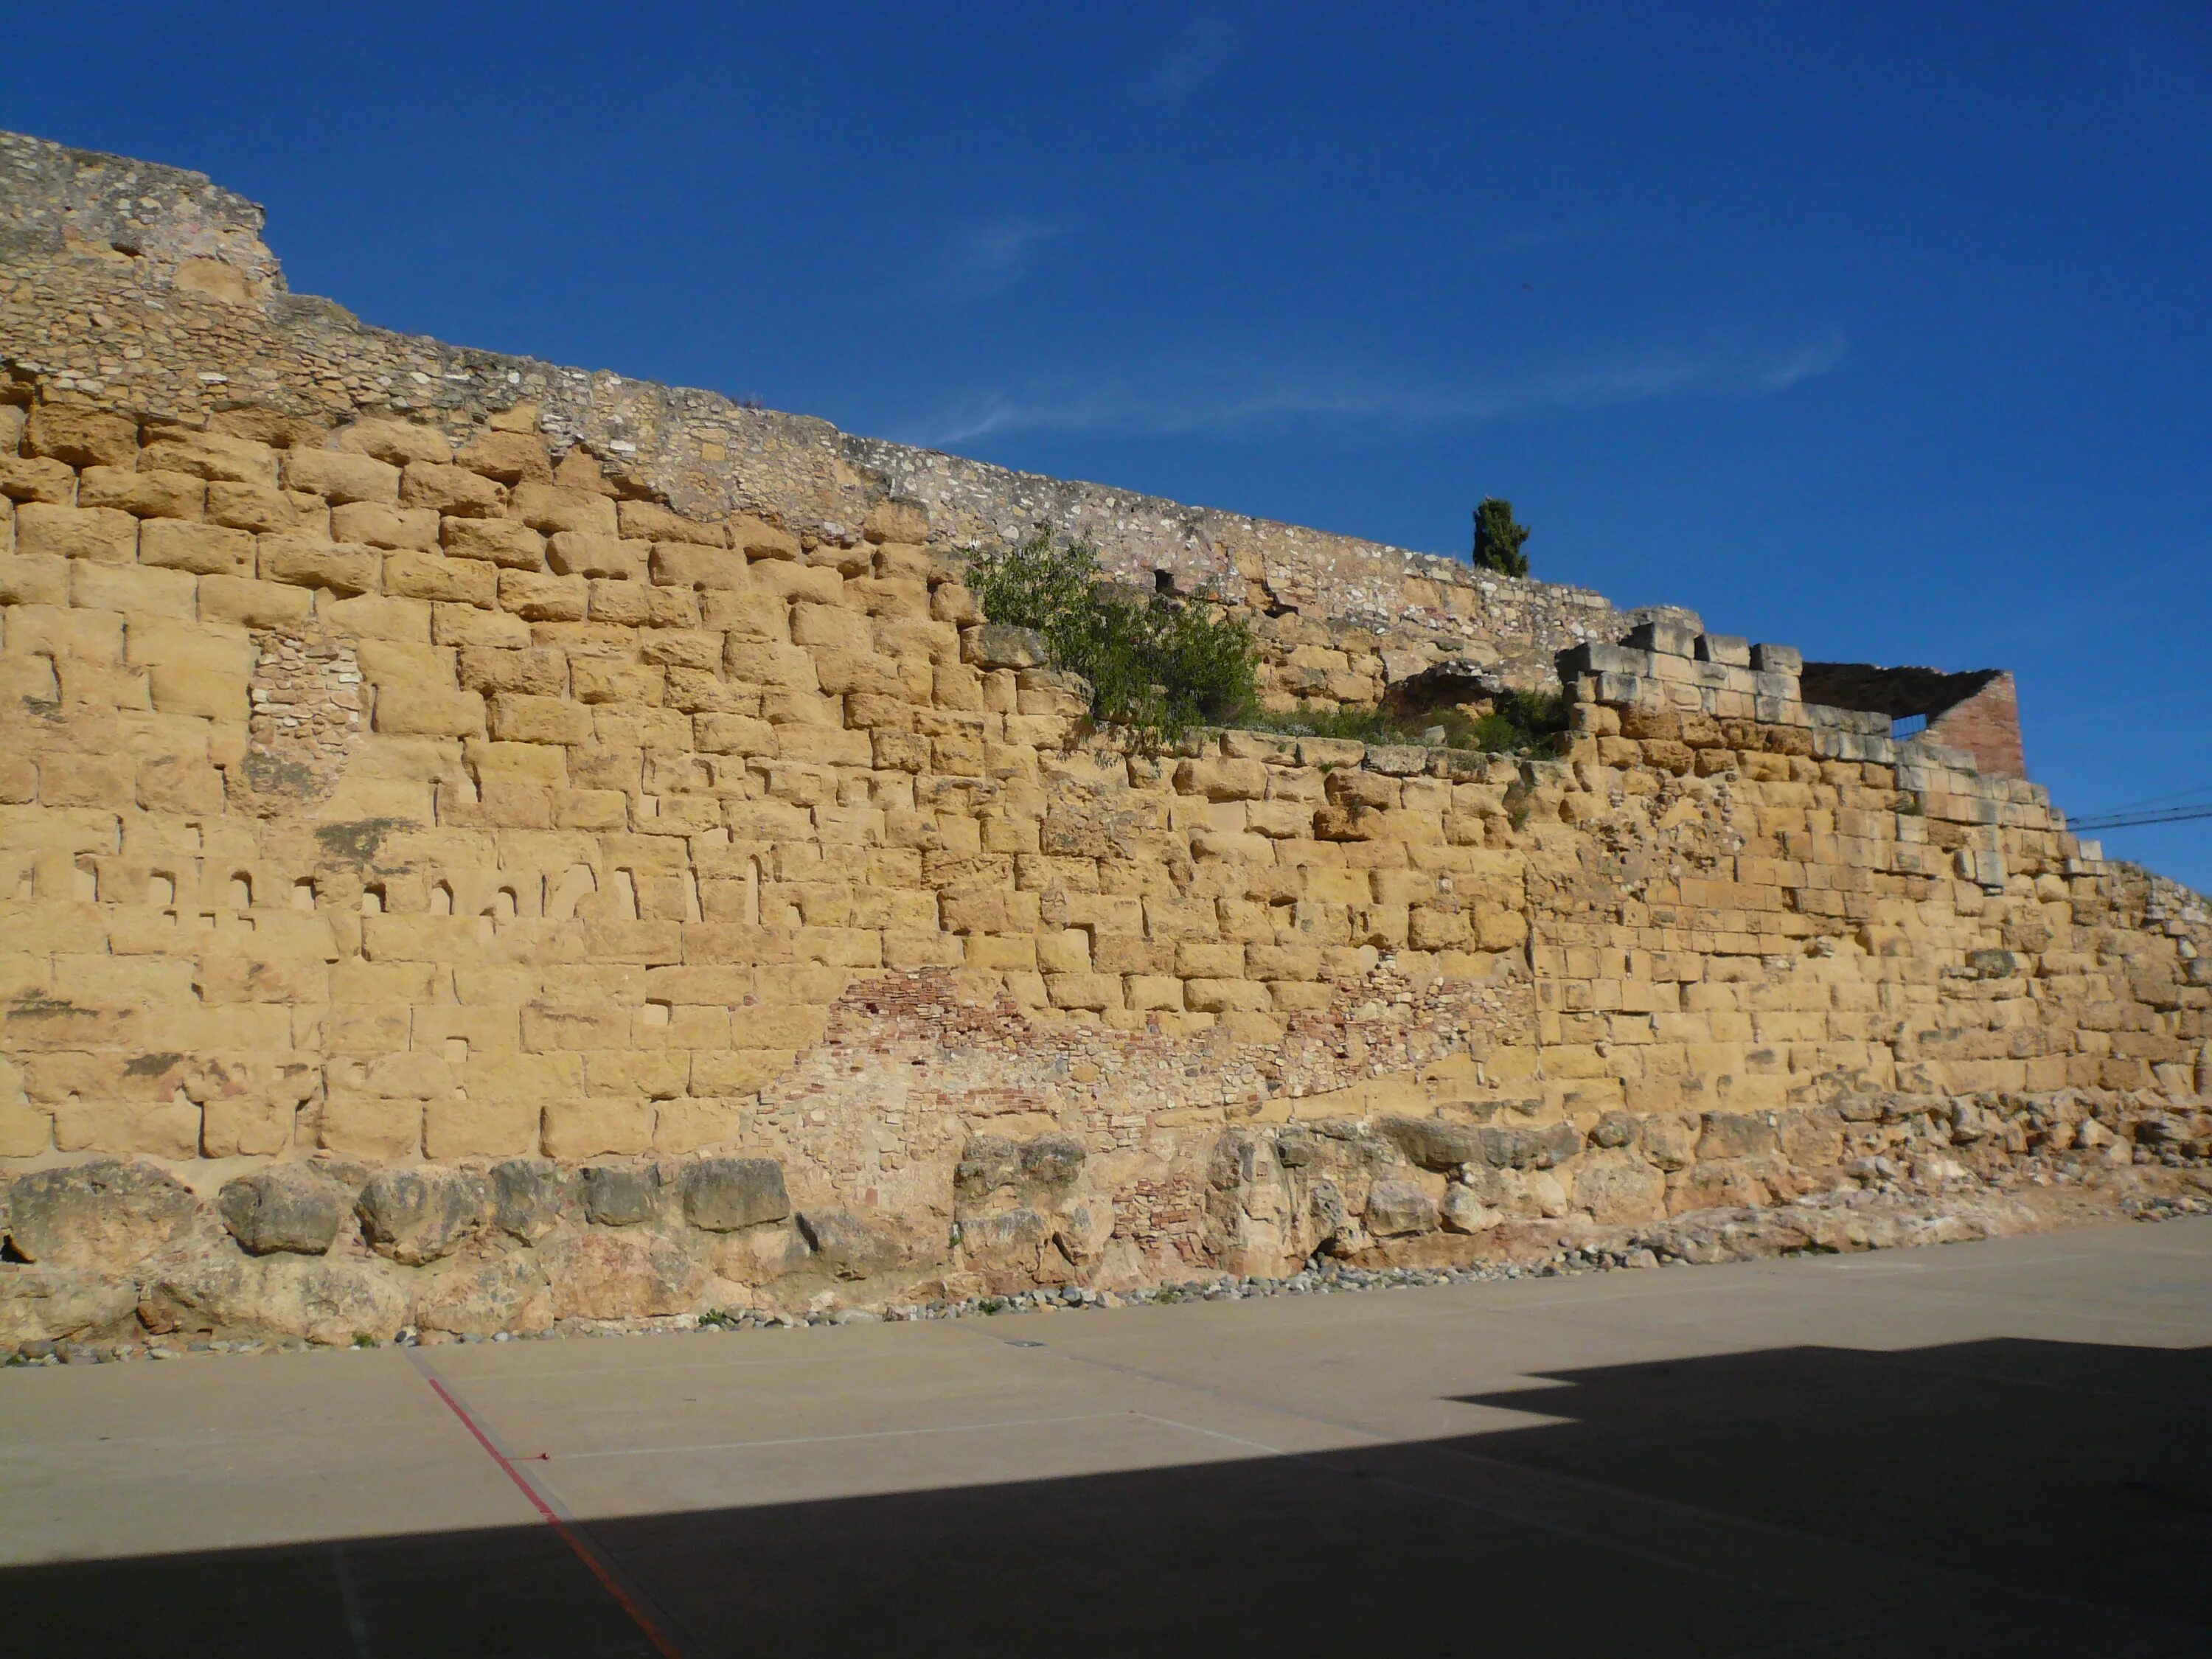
(418, 575)
(369, 1126)
(626, 1273)
(550, 508)
(619, 1194)
(1434, 1144)
(106, 1214)
(477, 1296)
(500, 542)
(1737, 1135)
(217, 457)
(285, 1207)
(245, 603)
(48, 1305)
(33, 581)
(342, 568)
(267, 511)
(82, 437)
(376, 525)
(851, 1245)
(394, 441)
(469, 1128)
(598, 1128)
(328, 1300)
(103, 534)
(994, 645)
(165, 1128)
(453, 490)
(723, 1194)
(340, 477)
(1618, 1186)
(142, 495)
(529, 1196)
(430, 711)
(1397, 1208)
(512, 457)
(416, 1216)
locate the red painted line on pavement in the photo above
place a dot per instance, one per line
(582, 1551)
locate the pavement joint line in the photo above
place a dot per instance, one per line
(350, 1596)
(596, 1559)
(617, 1373)
(830, 1439)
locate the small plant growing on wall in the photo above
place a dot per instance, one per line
(1498, 539)
(1157, 664)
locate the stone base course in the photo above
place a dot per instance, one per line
(332, 1253)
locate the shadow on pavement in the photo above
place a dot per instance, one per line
(2010, 1497)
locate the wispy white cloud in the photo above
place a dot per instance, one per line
(990, 258)
(1201, 49)
(1222, 401)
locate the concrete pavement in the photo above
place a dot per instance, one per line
(2000, 1447)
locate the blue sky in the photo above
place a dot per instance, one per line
(1881, 330)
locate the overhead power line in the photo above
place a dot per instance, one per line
(2129, 820)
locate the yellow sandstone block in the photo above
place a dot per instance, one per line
(102, 534)
(597, 1128)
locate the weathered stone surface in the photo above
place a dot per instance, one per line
(627, 1273)
(1508, 1147)
(1669, 1140)
(504, 1290)
(1618, 1186)
(1398, 1207)
(759, 1255)
(1045, 1168)
(722, 1194)
(1736, 1134)
(42, 1304)
(418, 1215)
(849, 1245)
(993, 645)
(1434, 1144)
(528, 1196)
(323, 1299)
(1516, 1193)
(284, 1207)
(1463, 1212)
(105, 1214)
(1051, 1161)
(620, 1194)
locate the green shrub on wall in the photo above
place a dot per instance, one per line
(1158, 665)
(1498, 538)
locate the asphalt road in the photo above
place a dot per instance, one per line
(1999, 1448)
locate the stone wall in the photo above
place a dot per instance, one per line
(460, 868)
(151, 288)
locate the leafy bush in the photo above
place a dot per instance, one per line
(1158, 665)
(1498, 539)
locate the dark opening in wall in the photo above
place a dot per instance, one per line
(1977, 710)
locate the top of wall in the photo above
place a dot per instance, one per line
(189, 315)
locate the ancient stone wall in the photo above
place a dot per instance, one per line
(151, 288)
(474, 870)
